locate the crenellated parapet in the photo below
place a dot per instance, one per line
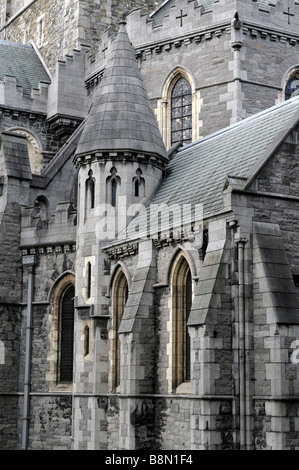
(183, 18)
(67, 104)
(12, 95)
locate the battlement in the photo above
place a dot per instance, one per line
(13, 95)
(176, 18)
(67, 104)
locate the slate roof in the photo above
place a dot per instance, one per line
(22, 62)
(121, 117)
(14, 148)
(198, 172)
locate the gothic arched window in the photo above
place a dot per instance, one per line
(112, 186)
(88, 280)
(292, 86)
(181, 112)
(138, 184)
(90, 191)
(119, 299)
(181, 302)
(66, 335)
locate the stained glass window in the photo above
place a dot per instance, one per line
(292, 87)
(181, 112)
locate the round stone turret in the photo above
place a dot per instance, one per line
(121, 118)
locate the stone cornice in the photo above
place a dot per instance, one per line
(118, 252)
(122, 156)
(264, 32)
(8, 110)
(49, 249)
(145, 51)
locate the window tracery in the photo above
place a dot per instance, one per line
(292, 85)
(181, 112)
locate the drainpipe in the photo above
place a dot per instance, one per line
(242, 392)
(236, 44)
(30, 262)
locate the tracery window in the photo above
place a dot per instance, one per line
(119, 299)
(181, 112)
(292, 86)
(181, 302)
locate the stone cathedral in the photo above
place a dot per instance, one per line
(149, 225)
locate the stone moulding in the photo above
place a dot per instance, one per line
(82, 160)
(68, 247)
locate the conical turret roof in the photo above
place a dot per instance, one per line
(121, 118)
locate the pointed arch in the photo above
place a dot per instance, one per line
(138, 184)
(114, 271)
(179, 251)
(60, 356)
(119, 296)
(90, 192)
(113, 183)
(181, 301)
(179, 108)
(290, 84)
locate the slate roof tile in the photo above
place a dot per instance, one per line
(198, 171)
(22, 62)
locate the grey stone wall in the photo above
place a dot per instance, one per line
(71, 23)
(35, 123)
(266, 60)
(10, 327)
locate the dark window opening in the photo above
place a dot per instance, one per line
(88, 280)
(92, 193)
(113, 193)
(136, 188)
(67, 336)
(86, 341)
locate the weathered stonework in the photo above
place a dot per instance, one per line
(163, 358)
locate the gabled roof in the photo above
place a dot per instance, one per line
(121, 117)
(22, 62)
(198, 172)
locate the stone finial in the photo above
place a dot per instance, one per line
(237, 22)
(122, 18)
